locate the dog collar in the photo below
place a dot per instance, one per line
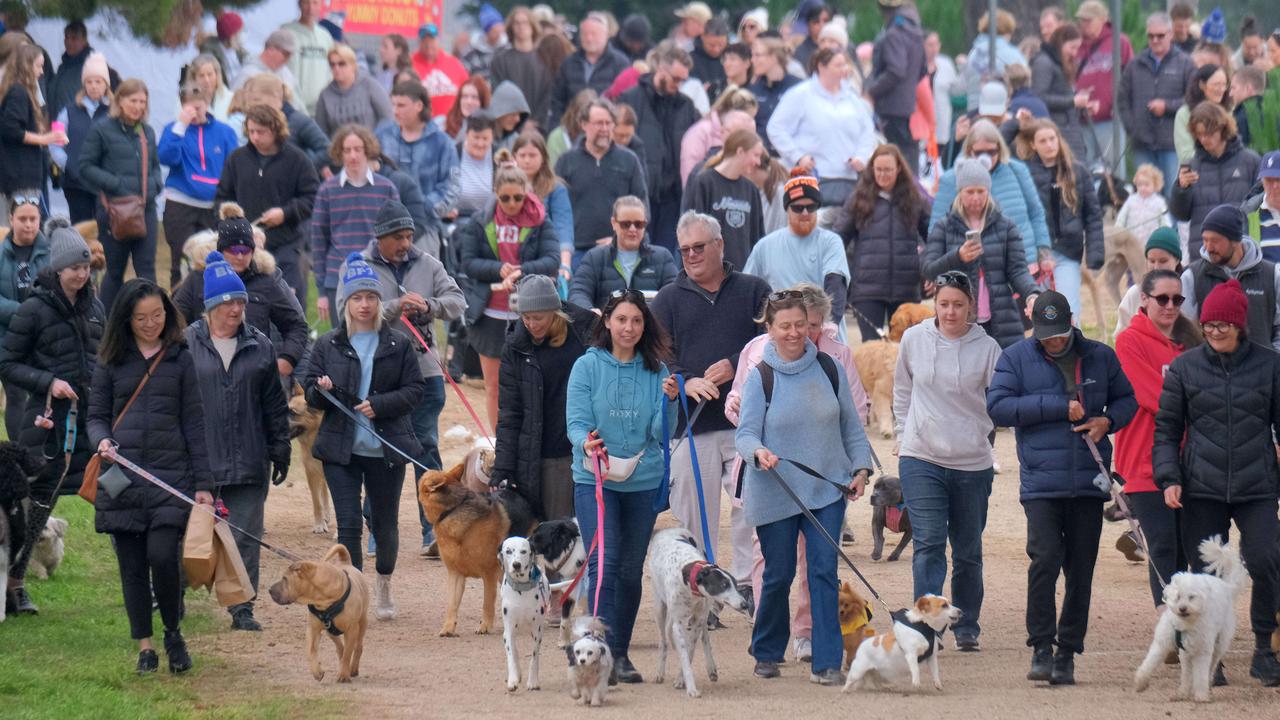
(329, 614)
(691, 575)
(930, 635)
(856, 622)
(524, 586)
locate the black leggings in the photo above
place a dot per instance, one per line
(382, 482)
(149, 562)
(1258, 526)
(1162, 526)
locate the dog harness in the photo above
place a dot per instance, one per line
(930, 635)
(857, 622)
(524, 586)
(893, 517)
(329, 614)
(691, 576)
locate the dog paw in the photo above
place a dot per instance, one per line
(713, 676)
(596, 702)
(694, 692)
(894, 557)
(318, 675)
(511, 686)
(448, 633)
(1140, 684)
(319, 529)
(679, 683)
(483, 630)
(875, 557)
(344, 678)
(659, 679)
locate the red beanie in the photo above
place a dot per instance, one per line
(228, 25)
(1226, 303)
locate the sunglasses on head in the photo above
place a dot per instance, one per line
(780, 295)
(632, 224)
(518, 198)
(19, 200)
(955, 279)
(1163, 300)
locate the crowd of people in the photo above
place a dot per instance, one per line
(604, 226)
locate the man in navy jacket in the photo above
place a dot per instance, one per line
(1056, 389)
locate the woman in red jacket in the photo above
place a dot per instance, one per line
(1157, 334)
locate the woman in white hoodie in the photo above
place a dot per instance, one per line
(939, 402)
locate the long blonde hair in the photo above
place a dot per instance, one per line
(1064, 169)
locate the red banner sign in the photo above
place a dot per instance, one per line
(379, 17)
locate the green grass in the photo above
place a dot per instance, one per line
(75, 659)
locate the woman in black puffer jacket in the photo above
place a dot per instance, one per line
(885, 225)
(162, 430)
(50, 352)
(1053, 77)
(533, 453)
(1215, 457)
(373, 370)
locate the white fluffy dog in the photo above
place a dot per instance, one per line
(590, 662)
(1199, 620)
(914, 639)
(525, 594)
(47, 554)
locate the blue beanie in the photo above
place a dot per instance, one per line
(221, 283)
(1214, 29)
(489, 16)
(359, 276)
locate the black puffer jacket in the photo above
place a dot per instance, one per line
(1074, 233)
(48, 339)
(272, 304)
(24, 166)
(245, 416)
(163, 432)
(884, 255)
(111, 160)
(661, 122)
(1049, 83)
(539, 255)
(1003, 264)
(518, 455)
(395, 390)
(286, 180)
(1228, 409)
(1226, 179)
(598, 277)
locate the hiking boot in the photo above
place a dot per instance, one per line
(1219, 676)
(18, 602)
(627, 673)
(176, 650)
(242, 619)
(1041, 664)
(384, 608)
(148, 662)
(1265, 667)
(967, 643)
(828, 677)
(767, 670)
(1127, 544)
(1064, 668)
(802, 649)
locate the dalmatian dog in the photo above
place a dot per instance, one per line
(525, 596)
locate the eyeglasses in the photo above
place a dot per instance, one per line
(780, 295)
(1216, 328)
(1163, 300)
(504, 199)
(955, 279)
(694, 249)
(632, 224)
(1157, 36)
(239, 250)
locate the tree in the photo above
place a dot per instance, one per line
(165, 22)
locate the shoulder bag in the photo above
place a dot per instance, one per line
(127, 214)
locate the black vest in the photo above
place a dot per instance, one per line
(1259, 286)
(78, 124)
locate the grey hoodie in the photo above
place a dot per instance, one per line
(1252, 256)
(940, 399)
(507, 98)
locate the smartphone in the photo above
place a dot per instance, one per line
(973, 236)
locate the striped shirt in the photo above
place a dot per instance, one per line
(1266, 231)
(342, 222)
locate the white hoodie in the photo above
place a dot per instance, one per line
(940, 397)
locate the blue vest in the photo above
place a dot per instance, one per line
(78, 124)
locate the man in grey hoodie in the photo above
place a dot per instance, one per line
(1226, 255)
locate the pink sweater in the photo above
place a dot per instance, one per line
(697, 142)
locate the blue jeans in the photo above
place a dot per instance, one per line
(773, 618)
(1166, 161)
(1099, 142)
(1066, 280)
(945, 503)
(628, 523)
(426, 426)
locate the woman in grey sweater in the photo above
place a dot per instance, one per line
(351, 97)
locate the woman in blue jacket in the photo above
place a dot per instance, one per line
(614, 404)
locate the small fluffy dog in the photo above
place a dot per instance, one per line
(855, 622)
(525, 594)
(47, 554)
(914, 639)
(888, 511)
(338, 598)
(304, 426)
(685, 589)
(590, 662)
(558, 546)
(1199, 621)
(876, 360)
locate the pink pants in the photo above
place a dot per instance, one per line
(802, 621)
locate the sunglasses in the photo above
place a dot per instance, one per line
(780, 295)
(694, 249)
(19, 200)
(632, 224)
(238, 250)
(803, 209)
(504, 199)
(955, 279)
(1163, 300)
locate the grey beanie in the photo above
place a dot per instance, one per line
(971, 173)
(66, 247)
(392, 217)
(536, 293)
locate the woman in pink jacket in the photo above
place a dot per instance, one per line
(823, 335)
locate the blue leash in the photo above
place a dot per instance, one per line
(663, 500)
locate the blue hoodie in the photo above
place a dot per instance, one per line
(621, 401)
(194, 155)
(431, 160)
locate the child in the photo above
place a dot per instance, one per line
(1145, 210)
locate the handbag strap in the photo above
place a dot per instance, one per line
(142, 143)
(138, 391)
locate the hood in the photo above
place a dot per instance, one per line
(507, 99)
(1253, 204)
(198, 246)
(607, 358)
(975, 334)
(1142, 325)
(1252, 256)
(952, 371)
(908, 18)
(1234, 146)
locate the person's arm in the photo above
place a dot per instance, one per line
(748, 438)
(289, 320)
(894, 54)
(785, 123)
(478, 261)
(1015, 266)
(693, 149)
(560, 212)
(19, 343)
(856, 445)
(382, 110)
(1009, 407)
(943, 200)
(1035, 210)
(1122, 215)
(902, 387)
(322, 117)
(92, 154)
(444, 181)
(1091, 213)
(191, 424)
(1145, 379)
(1043, 74)
(275, 412)
(320, 236)
(1171, 428)
(1121, 403)
(559, 96)
(56, 151)
(1180, 200)
(226, 191)
(1189, 306)
(298, 209)
(548, 260)
(837, 288)
(169, 149)
(639, 187)
(583, 291)
(98, 416)
(1275, 325)
(937, 259)
(747, 359)
(580, 417)
(510, 418)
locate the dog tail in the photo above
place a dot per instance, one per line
(1223, 560)
(339, 553)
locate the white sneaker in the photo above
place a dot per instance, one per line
(995, 464)
(802, 648)
(383, 607)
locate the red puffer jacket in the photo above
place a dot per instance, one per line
(1145, 354)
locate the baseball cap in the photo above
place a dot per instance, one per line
(696, 10)
(283, 41)
(994, 99)
(1270, 165)
(1050, 316)
(428, 29)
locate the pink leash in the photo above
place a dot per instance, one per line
(597, 545)
(474, 417)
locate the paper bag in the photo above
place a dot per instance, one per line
(231, 581)
(199, 558)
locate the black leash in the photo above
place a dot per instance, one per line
(363, 422)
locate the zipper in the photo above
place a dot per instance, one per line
(1230, 425)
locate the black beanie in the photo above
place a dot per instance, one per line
(1227, 221)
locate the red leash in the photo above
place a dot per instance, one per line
(597, 545)
(474, 417)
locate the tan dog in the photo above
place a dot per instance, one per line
(855, 622)
(470, 527)
(335, 589)
(905, 316)
(304, 425)
(876, 360)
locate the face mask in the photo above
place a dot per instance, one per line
(987, 159)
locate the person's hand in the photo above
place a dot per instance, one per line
(1097, 427)
(284, 367)
(325, 382)
(1031, 303)
(365, 409)
(1023, 115)
(670, 387)
(1187, 177)
(105, 447)
(62, 389)
(1075, 411)
(204, 497)
(720, 372)
(699, 389)
(806, 162)
(507, 269)
(963, 125)
(607, 239)
(1094, 107)
(1044, 258)
(272, 218)
(509, 283)
(928, 289)
(766, 459)
(594, 443)
(187, 115)
(970, 250)
(451, 215)
(1082, 99)
(1156, 107)
(566, 274)
(1173, 497)
(322, 306)
(857, 164)
(413, 302)
(279, 471)
(733, 404)
(896, 448)
(859, 485)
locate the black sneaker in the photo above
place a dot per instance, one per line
(767, 670)
(967, 643)
(627, 673)
(242, 619)
(176, 649)
(1064, 668)
(18, 602)
(1219, 676)
(1265, 667)
(1041, 664)
(828, 677)
(148, 662)
(846, 538)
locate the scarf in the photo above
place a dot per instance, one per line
(531, 215)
